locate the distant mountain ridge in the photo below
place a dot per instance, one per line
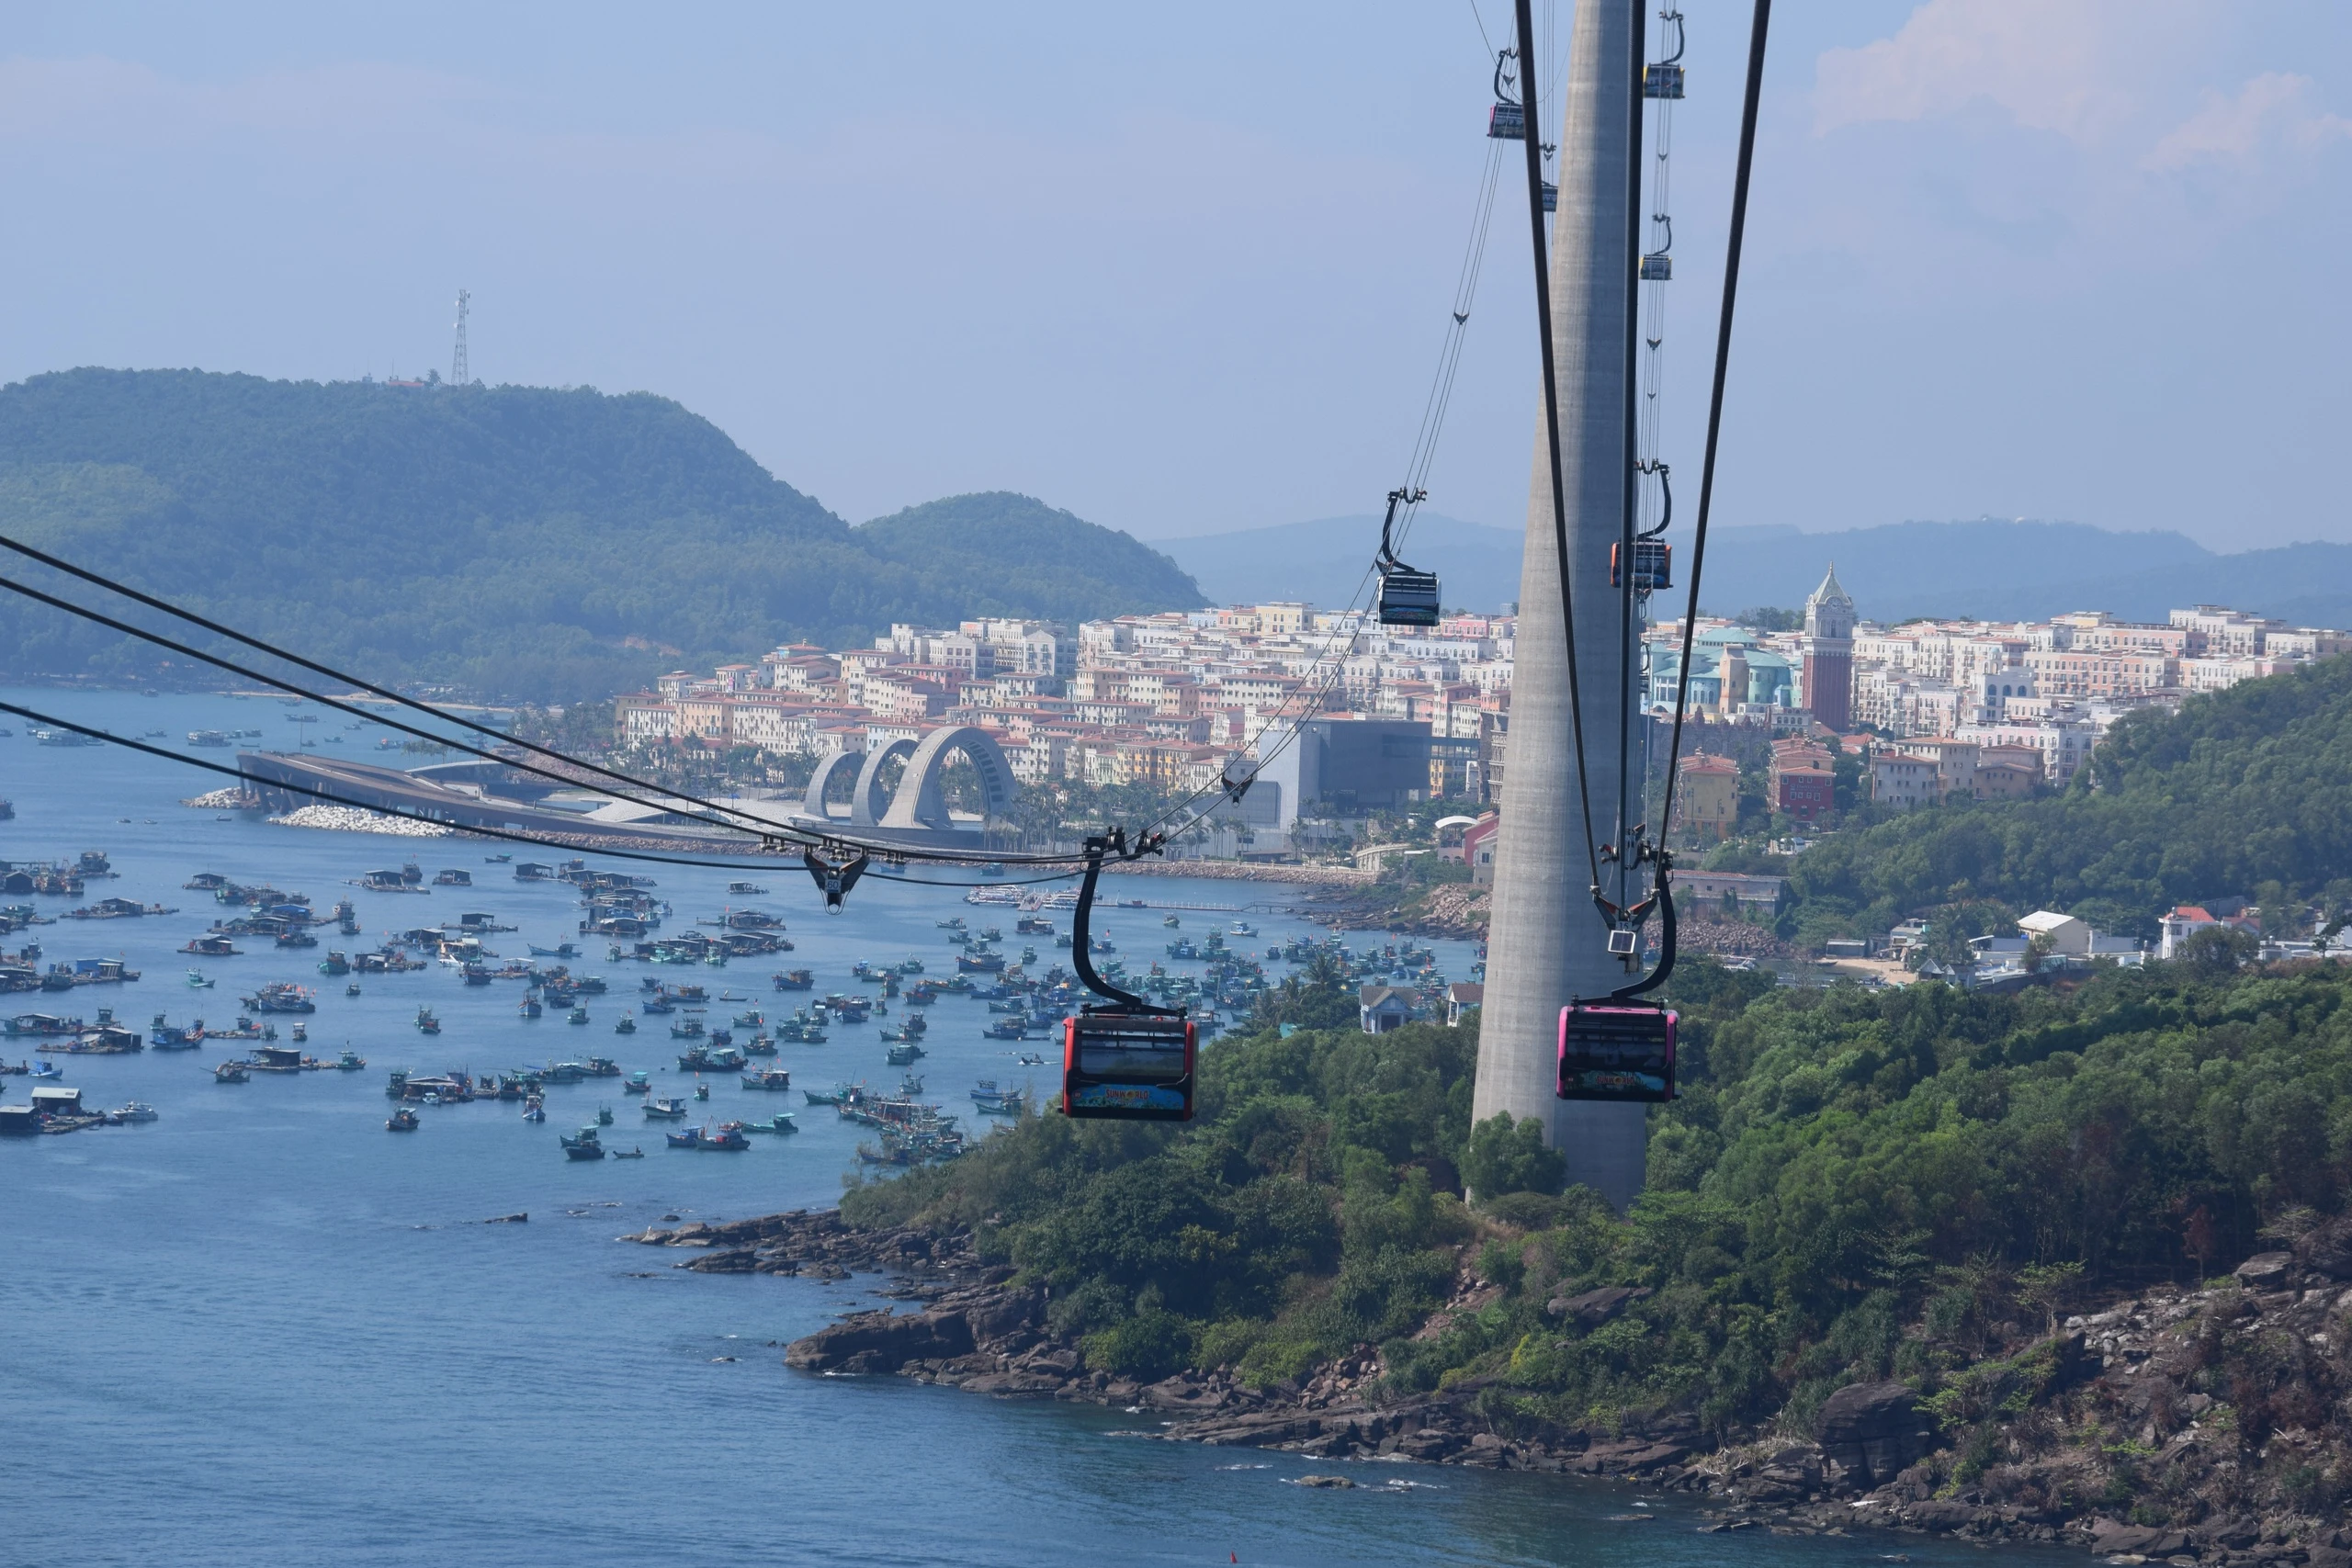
(1992, 568)
(518, 541)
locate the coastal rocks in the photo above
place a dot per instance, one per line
(2265, 1270)
(2327, 1249)
(1596, 1307)
(881, 1342)
(1870, 1431)
(817, 1243)
(1334, 1482)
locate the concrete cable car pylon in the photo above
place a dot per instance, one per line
(1548, 938)
(1546, 950)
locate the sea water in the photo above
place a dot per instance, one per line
(263, 1331)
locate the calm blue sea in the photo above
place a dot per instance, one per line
(262, 1330)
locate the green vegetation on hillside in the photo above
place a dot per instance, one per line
(514, 540)
(1854, 1186)
(992, 542)
(2239, 790)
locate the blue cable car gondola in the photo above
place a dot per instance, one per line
(1407, 597)
(1657, 267)
(1617, 1051)
(1664, 80)
(1507, 120)
(1652, 565)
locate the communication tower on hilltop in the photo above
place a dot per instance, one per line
(457, 375)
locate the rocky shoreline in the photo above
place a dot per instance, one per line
(1875, 1460)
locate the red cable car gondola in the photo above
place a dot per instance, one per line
(1129, 1061)
(1137, 1066)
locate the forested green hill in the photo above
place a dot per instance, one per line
(514, 540)
(1854, 1186)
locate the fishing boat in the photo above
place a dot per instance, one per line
(781, 1122)
(686, 1029)
(759, 1045)
(577, 1015)
(1007, 1028)
(628, 1154)
(840, 1094)
(684, 1140)
(583, 1145)
(136, 1111)
(231, 1072)
(768, 1078)
(301, 1033)
(535, 1111)
(796, 980)
(403, 1120)
(727, 1135)
(196, 978)
(531, 1008)
(639, 1083)
(627, 1024)
(425, 1023)
(604, 1116)
(990, 1101)
(352, 990)
(900, 1056)
(350, 1061)
(43, 1068)
(747, 889)
(164, 1037)
(1241, 928)
(665, 1108)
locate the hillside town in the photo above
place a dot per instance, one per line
(1348, 717)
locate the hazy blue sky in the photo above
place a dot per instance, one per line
(1182, 269)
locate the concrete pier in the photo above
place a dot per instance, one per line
(1546, 940)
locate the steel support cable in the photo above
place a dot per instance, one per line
(1757, 37)
(1628, 616)
(409, 729)
(1417, 467)
(800, 837)
(507, 835)
(739, 821)
(233, 668)
(1551, 429)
